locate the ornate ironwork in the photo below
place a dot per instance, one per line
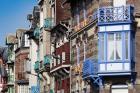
(115, 14)
(36, 66)
(90, 67)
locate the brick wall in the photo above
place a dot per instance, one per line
(64, 48)
(61, 13)
(19, 66)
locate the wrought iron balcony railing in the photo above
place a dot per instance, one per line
(36, 33)
(90, 67)
(115, 14)
(46, 60)
(48, 23)
(36, 66)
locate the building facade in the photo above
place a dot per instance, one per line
(21, 58)
(3, 68)
(33, 34)
(10, 42)
(78, 46)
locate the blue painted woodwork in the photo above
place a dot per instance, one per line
(115, 14)
(90, 71)
(90, 67)
(114, 21)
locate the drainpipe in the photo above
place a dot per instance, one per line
(38, 81)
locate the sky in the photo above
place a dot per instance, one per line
(13, 15)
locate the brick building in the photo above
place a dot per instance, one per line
(21, 57)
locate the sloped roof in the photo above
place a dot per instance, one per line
(10, 39)
(19, 32)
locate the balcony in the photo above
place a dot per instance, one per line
(90, 68)
(11, 79)
(90, 71)
(47, 63)
(36, 66)
(36, 33)
(115, 14)
(48, 23)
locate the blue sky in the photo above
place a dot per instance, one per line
(13, 15)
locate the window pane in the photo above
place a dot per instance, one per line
(102, 46)
(126, 45)
(118, 49)
(110, 47)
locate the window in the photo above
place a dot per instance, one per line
(58, 59)
(27, 43)
(54, 61)
(102, 47)
(126, 45)
(63, 57)
(118, 46)
(114, 46)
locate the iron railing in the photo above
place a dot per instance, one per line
(46, 60)
(90, 67)
(115, 14)
(36, 66)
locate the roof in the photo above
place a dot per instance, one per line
(10, 39)
(19, 32)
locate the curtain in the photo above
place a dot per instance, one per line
(118, 46)
(110, 47)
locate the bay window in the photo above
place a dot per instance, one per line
(114, 46)
(126, 45)
(102, 49)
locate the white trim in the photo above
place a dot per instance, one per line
(59, 68)
(119, 86)
(114, 28)
(113, 74)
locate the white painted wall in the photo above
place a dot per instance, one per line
(112, 67)
(33, 58)
(27, 43)
(117, 3)
(119, 89)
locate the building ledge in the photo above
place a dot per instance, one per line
(60, 67)
(22, 81)
(115, 73)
